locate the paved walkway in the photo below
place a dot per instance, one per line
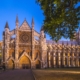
(72, 72)
(60, 71)
(24, 74)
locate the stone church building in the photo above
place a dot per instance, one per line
(24, 47)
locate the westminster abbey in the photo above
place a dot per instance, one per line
(24, 47)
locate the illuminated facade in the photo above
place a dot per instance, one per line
(24, 47)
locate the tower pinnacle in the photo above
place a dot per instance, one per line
(17, 22)
(32, 23)
(7, 26)
(17, 19)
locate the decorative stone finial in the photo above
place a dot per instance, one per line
(32, 23)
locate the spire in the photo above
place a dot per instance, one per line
(17, 19)
(32, 23)
(17, 22)
(6, 26)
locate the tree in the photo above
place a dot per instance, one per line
(61, 17)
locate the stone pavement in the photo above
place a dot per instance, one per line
(23, 74)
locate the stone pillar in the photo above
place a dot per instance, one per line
(54, 59)
(16, 50)
(69, 60)
(72, 61)
(59, 59)
(33, 65)
(78, 62)
(44, 58)
(63, 59)
(49, 60)
(43, 48)
(16, 63)
(7, 50)
(6, 45)
(33, 47)
(3, 48)
(33, 39)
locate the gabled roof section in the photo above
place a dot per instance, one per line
(21, 53)
(25, 26)
(24, 54)
(10, 58)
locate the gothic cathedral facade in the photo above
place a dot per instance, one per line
(24, 47)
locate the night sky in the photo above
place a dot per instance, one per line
(9, 9)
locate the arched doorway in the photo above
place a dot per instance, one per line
(25, 62)
(38, 64)
(10, 64)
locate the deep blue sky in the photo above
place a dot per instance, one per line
(24, 9)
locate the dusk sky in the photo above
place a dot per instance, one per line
(9, 9)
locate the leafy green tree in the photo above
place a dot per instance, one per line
(61, 17)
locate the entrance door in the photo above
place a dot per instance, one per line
(25, 66)
(25, 62)
(38, 66)
(10, 64)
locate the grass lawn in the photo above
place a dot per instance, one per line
(57, 74)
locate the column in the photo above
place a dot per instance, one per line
(16, 50)
(49, 60)
(63, 59)
(69, 59)
(54, 59)
(59, 59)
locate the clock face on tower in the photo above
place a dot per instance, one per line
(24, 38)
